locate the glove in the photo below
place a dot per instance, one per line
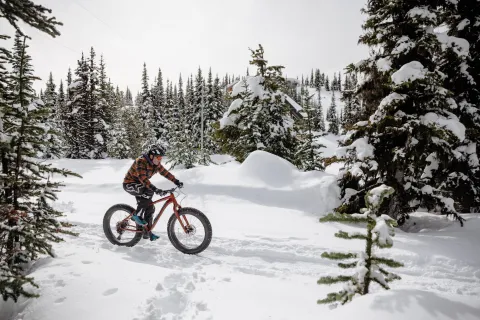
(159, 192)
(155, 189)
(178, 183)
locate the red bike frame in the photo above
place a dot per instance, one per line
(170, 199)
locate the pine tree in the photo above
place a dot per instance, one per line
(332, 116)
(369, 266)
(334, 82)
(307, 153)
(339, 81)
(462, 70)
(312, 81)
(259, 122)
(77, 112)
(28, 224)
(53, 149)
(404, 144)
(319, 121)
(158, 105)
(327, 84)
(318, 80)
(129, 97)
(30, 13)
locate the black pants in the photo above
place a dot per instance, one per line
(144, 199)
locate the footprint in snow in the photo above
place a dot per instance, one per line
(87, 262)
(60, 283)
(110, 291)
(60, 300)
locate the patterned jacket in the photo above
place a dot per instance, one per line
(143, 169)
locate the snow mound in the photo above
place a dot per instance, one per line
(403, 304)
(269, 168)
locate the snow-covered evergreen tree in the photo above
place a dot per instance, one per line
(462, 79)
(259, 118)
(76, 118)
(159, 112)
(308, 153)
(28, 224)
(369, 267)
(332, 118)
(129, 97)
(327, 84)
(410, 141)
(53, 149)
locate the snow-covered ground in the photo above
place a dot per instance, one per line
(263, 262)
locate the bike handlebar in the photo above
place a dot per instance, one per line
(164, 192)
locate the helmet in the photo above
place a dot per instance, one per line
(157, 150)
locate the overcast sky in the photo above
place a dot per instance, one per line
(180, 35)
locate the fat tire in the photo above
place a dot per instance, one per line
(205, 222)
(108, 232)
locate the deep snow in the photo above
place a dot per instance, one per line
(264, 259)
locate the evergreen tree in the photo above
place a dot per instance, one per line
(339, 82)
(369, 266)
(28, 224)
(53, 149)
(334, 82)
(462, 70)
(76, 118)
(129, 97)
(259, 121)
(319, 120)
(34, 15)
(97, 112)
(332, 116)
(327, 84)
(318, 80)
(312, 81)
(307, 153)
(405, 145)
(158, 105)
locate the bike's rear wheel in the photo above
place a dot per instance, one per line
(199, 234)
(118, 229)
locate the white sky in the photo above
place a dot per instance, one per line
(181, 35)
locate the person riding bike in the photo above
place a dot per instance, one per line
(137, 183)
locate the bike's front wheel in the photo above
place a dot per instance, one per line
(198, 235)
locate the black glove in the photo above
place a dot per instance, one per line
(159, 192)
(155, 189)
(178, 183)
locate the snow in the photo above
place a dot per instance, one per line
(403, 44)
(293, 103)
(362, 147)
(384, 64)
(264, 259)
(422, 12)
(409, 72)
(451, 123)
(375, 195)
(465, 22)
(99, 138)
(409, 303)
(459, 45)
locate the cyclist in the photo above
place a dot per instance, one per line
(137, 183)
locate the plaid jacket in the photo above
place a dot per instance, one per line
(142, 170)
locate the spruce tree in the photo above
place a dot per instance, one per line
(77, 113)
(405, 144)
(158, 105)
(327, 84)
(129, 97)
(28, 224)
(53, 149)
(34, 15)
(462, 70)
(332, 116)
(260, 117)
(369, 267)
(307, 153)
